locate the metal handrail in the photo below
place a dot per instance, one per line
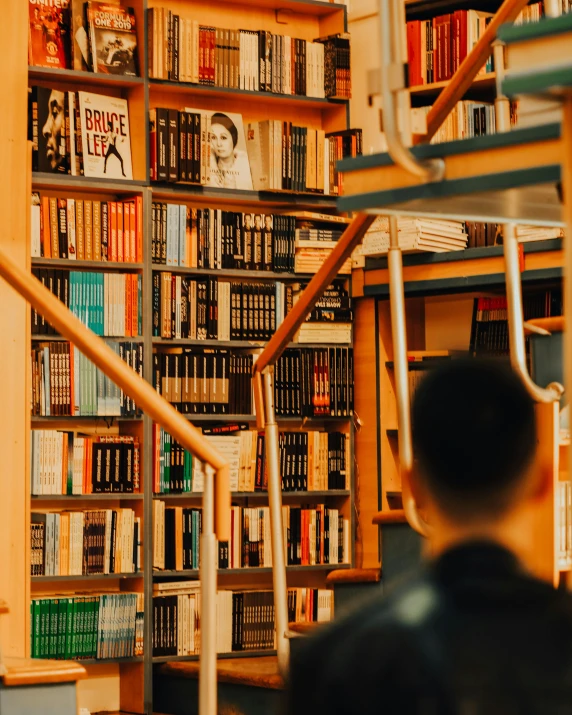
(216, 496)
(401, 372)
(393, 59)
(555, 390)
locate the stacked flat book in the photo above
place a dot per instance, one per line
(416, 234)
(537, 233)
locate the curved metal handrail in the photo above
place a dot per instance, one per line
(401, 372)
(555, 390)
(392, 84)
(216, 495)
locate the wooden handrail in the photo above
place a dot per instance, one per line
(467, 71)
(393, 516)
(127, 379)
(328, 271)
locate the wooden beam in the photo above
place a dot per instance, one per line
(395, 516)
(466, 73)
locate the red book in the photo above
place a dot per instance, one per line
(49, 35)
(414, 52)
(459, 39)
(447, 37)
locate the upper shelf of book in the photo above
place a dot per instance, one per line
(304, 7)
(424, 9)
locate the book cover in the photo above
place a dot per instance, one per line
(112, 38)
(229, 167)
(49, 105)
(105, 136)
(49, 33)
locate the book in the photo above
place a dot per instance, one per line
(48, 34)
(79, 39)
(105, 136)
(226, 156)
(47, 109)
(112, 38)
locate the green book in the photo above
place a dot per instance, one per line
(44, 627)
(36, 627)
(74, 651)
(188, 478)
(62, 618)
(70, 615)
(80, 607)
(53, 628)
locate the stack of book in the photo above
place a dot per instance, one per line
(96, 36)
(309, 461)
(211, 238)
(72, 463)
(331, 319)
(245, 619)
(204, 382)
(416, 234)
(314, 536)
(102, 626)
(85, 543)
(537, 233)
(316, 236)
(314, 382)
(79, 133)
(437, 47)
(564, 515)
(86, 229)
(183, 50)
(480, 235)
(213, 309)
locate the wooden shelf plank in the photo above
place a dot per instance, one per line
(233, 273)
(238, 344)
(482, 82)
(83, 78)
(394, 516)
(114, 496)
(62, 338)
(262, 495)
(190, 89)
(36, 671)
(43, 180)
(36, 419)
(220, 656)
(194, 573)
(90, 577)
(91, 265)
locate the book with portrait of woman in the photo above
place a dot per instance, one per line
(228, 167)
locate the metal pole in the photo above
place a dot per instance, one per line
(208, 576)
(502, 103)
(275, 505)
(392, 82)
(516, 321)
(401, 372)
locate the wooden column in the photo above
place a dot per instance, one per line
(14, 335)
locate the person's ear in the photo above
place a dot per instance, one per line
(540, 482)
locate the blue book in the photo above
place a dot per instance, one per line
(182, 235)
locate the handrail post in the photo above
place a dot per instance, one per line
(502, 103)
(392, 86)
(208, 614)
(275, 508)
(516, 321)
(401, 372)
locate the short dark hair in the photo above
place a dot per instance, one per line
(474, 435)
(227, 123)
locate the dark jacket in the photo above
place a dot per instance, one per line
(473, 634)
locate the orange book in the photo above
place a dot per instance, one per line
(79, 228)
(46, 238)
(88, 229)
(72, 375)
(87, 486)
(135, 304)
(126, 232)
(139, 229)
(112, 249)
(65, 451)
(119, 232)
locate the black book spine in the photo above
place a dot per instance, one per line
(162, 144)
(173, 158)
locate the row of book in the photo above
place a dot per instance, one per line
(66, 384)
(245, 619)
(71, 463)
(212, 149)
(86, 229)
(202, 381)
(312, 536)
(437, 47)
(415, 234)
(314, 382)
(95, 36)
(109, 304)
(85, 543)
(564, 515)
(79, 133)
(183, 50)
(102, 626)
(467, 119)
(213, 309)
(489, 328)
(309, 461)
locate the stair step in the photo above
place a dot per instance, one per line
(338, 576)
(305, 627)
(260, 672)
(523, 187)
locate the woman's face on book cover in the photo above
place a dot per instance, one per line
(221, 141)
(52, 129)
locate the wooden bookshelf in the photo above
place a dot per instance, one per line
(129, 680)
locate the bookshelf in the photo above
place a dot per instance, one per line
(125, 684)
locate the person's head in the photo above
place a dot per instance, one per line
(248, 221)
(52, 129)
(268, 221)
(257, 221)
(474, 443)
(224, 135)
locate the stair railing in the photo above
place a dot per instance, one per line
(216, 495)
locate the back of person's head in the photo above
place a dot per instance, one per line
(474, 437)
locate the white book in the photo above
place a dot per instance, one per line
(72, 250)
(195, 51)
(178, 298)
(242, 60)
(105, 136)
(35, 227)
(71, 115)
(183, 235)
